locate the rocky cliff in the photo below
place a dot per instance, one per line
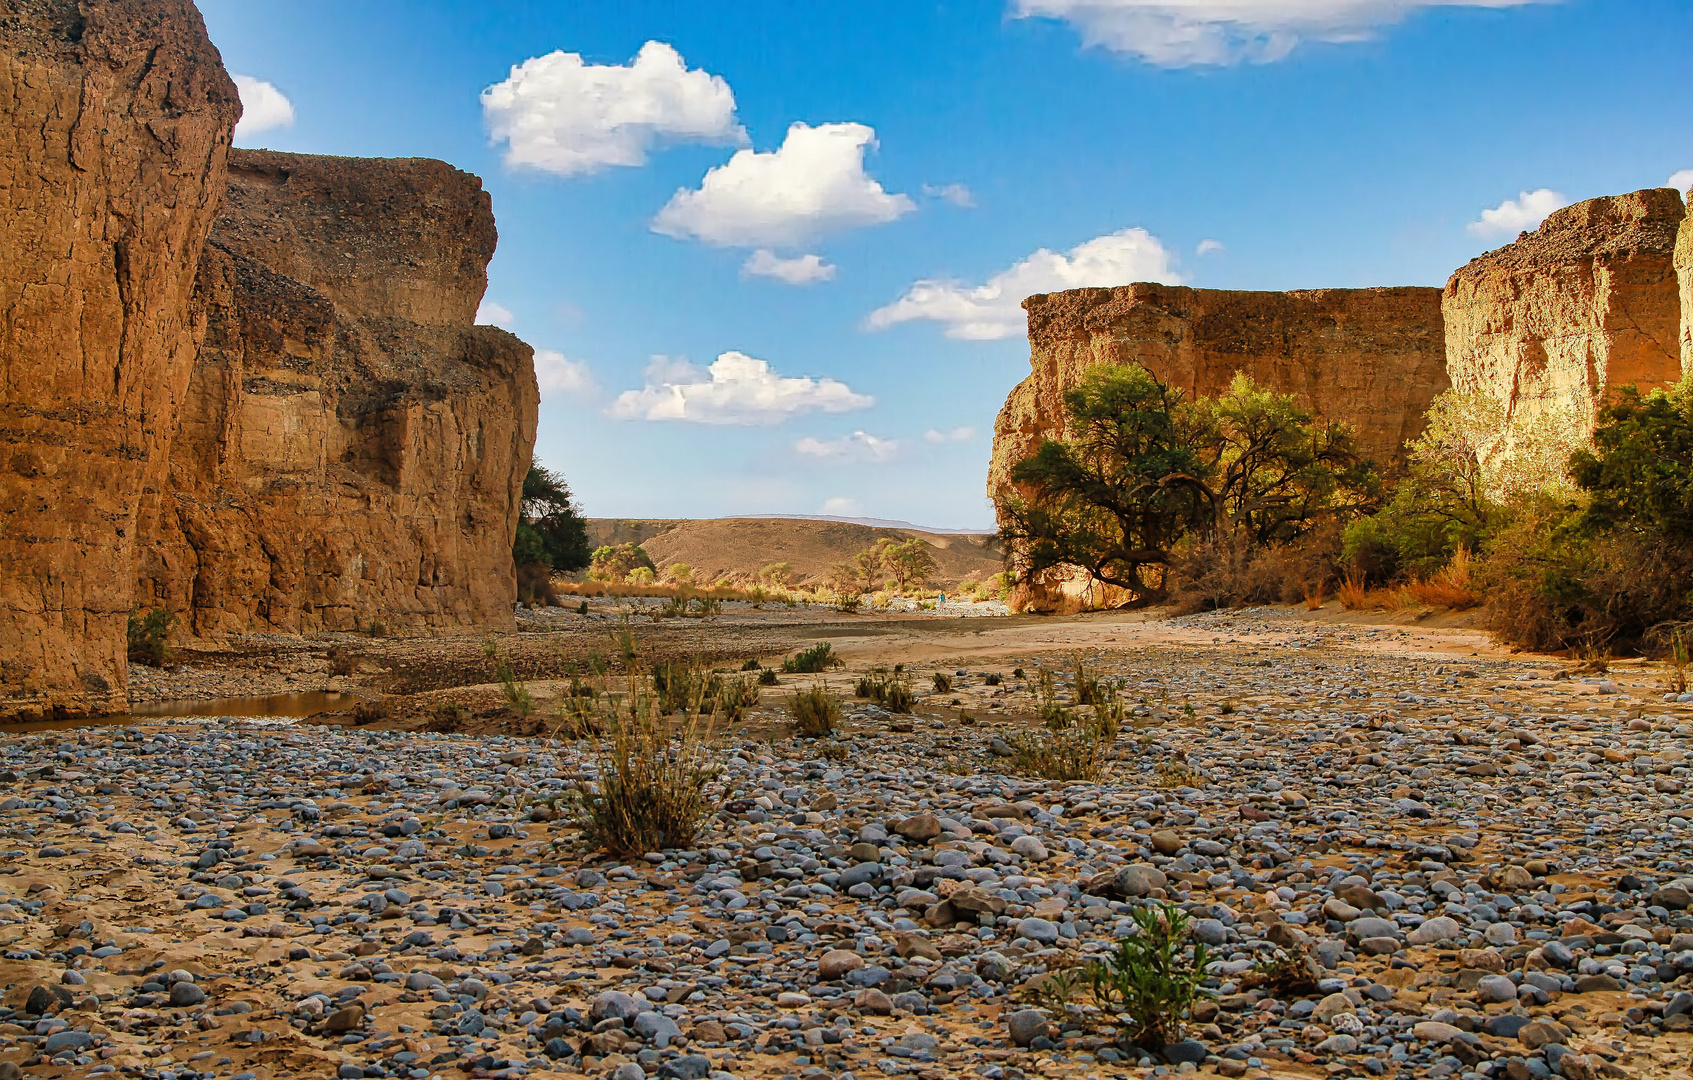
(1372, 358)
(1684, 274)
(1586, 302)
(117, 118)
(352, 448)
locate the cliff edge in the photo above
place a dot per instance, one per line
(117, 119)
(353, 447)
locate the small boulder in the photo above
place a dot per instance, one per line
(837, 962)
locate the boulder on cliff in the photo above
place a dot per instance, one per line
(352, 447)
(1586, 302)
(117, 119)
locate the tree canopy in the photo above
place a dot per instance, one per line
(551, 531)
(1141, 469)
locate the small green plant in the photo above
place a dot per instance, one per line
(1017, 673)
(1057, 990)
(943, 683)
(1072, 754)
(448, 716)
(733, 698)
(1052, 715)
(1178, 774)
(818, 658)
(870, 684)
(848, 603)
(148, 636)
(1088, 688)
(833, 752)
(1227, 708)
(897, 695)
(1154, 976)
(993, 678)
(377, 628)
(624, 638)
(1678, 664)
(751, 665)
(582, 608)
(816, 712)
(767, 677)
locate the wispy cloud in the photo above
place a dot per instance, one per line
(956, 194)
(494, 313)
(860, 446)
(803, 270)
(263, 108)
(956, 435)
(558, 376)
(995, 309)
(736, 389)
(1187, 33)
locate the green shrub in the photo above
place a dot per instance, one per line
(1153, 977)
(818, 658)
(767, 677)
(1073, 753)
(751, 665)
(148, 637)
(816, 712)
(651, 792)
(993, 678)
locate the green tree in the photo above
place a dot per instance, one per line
(610, 563)
(909, 562)
(550, 530)
(1141, 469)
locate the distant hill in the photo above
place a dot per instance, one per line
(740, 547)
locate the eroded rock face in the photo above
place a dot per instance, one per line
(117, 119)
(1587, 302)
(1684, 275)
(352, 448)
(1373, 358)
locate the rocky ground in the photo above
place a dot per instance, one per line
(1484, 860)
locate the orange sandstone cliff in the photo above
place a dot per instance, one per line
(1373, 358)
(116, 121)
(1684, 274)
(353, 447)
(1586, 302)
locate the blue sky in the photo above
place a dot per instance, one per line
(827, 322)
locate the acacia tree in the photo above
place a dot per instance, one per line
(1141, 469)
(910, 562)
(551, 531)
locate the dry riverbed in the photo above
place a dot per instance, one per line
(1486, 864)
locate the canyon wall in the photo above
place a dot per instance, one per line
(352, 448)
(1586, 302)
(1684, 275)
(117, 119)
(1373, 358)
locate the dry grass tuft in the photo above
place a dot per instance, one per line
(1075, 753)
(652, 784)
(816, 713)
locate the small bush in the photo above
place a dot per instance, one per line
(651, 792)
(1072, 754)
(833, 752)
(897, 696)
(377, 628)
(1353, 594)
(993, 678)
(148, 637)
(448, 717)
(767, 677)
(816, 713)
(582, 608)
(751, 665)
(943, 683)
(369, 712)
(1154, 976)
(341, 662)
(535, 585)
(818, 658)
(733, 698)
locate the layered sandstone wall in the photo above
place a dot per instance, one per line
(353, 448)
(1372, 358)
(117, 119)
(1684, 274)
(1587, 302)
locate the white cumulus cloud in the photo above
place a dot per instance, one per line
(1525, 212)
(563, 115)
(813, 184)
(1185, 33)
(860, 446)
(1681, 181)
(995, 309)
(841, 506)
(736, 389)
(1206, 247)
(957, 434)
(804, 270)
(956, 194)
(263, 107)
(560, 376)
(494, 313)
